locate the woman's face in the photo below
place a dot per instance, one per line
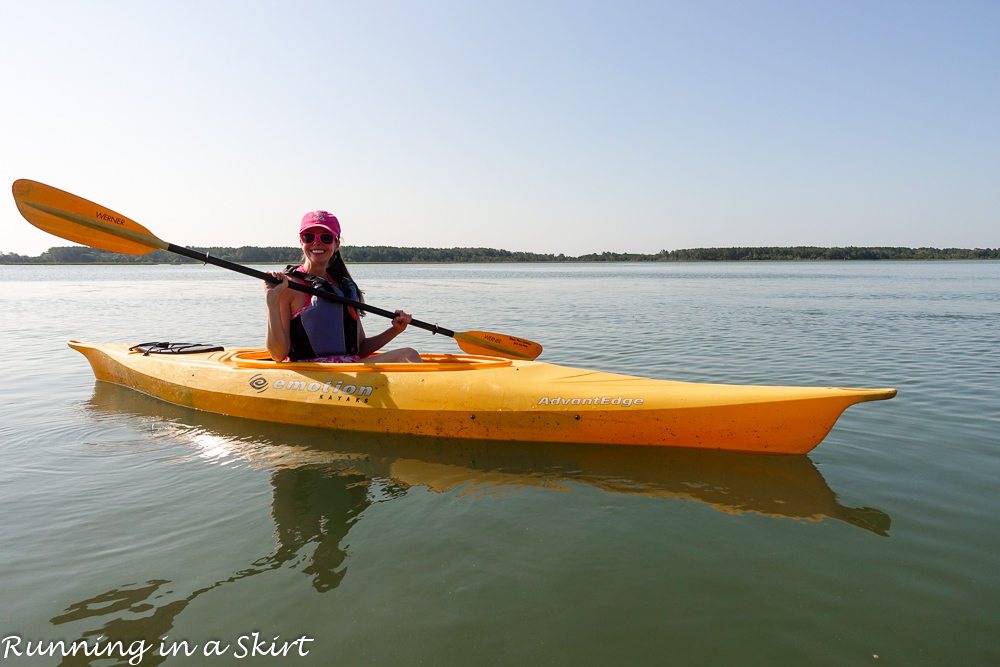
(318, 251)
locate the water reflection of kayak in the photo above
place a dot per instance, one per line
(775, 486)
(486, 398)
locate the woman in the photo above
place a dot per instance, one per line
(301, 327)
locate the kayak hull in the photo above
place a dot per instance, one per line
(461, 396)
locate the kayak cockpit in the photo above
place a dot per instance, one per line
(260, 359)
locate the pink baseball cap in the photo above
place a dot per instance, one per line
(320, 219)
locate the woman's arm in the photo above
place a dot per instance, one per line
(279, 316)
(372, 345)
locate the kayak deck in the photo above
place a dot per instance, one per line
(464, 396)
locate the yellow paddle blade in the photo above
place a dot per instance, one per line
(76, 219)
(497, 345)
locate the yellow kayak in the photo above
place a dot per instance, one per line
(484, 398)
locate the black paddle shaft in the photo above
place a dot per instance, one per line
(299, 287)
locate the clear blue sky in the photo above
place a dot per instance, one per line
(568, 127)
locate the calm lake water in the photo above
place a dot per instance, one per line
(129, 518)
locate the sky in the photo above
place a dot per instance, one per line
(552, 127)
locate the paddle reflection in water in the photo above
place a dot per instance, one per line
(312, 506)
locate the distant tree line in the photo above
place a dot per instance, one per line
(814, 253)
(288, 255)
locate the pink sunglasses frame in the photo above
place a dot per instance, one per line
(318, 237)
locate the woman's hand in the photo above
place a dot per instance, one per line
(401, 320)
(277, 340)
(274, 290)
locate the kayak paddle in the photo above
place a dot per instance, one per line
(76, 219)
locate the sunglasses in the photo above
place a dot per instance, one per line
(325, 239)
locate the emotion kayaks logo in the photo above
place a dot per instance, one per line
(325, 389)
(258, 382)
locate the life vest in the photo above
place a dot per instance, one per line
(324, 328)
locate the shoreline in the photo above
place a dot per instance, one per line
(588, 261)
(275, 255)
